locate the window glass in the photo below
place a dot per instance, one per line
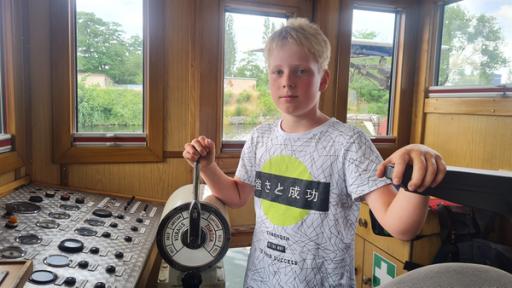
(2, 94)
(371, 70)
(476, 44)
(247, 101)
(109, 66)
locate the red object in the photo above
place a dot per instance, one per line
(433, 203)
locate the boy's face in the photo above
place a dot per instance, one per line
(295, 80)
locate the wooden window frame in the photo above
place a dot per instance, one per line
(10, 31)
(403, 74)
(63, 90)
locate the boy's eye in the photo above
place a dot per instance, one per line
(300, 71)
(278, 72)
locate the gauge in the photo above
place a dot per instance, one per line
(172, 238)
(47, 224)
(12, 252)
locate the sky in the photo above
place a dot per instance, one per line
(128, 13)
(249, 28)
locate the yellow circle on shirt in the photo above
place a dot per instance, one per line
(288, 166)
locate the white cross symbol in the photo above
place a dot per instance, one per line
(381, 273)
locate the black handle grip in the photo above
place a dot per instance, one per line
(484, 189)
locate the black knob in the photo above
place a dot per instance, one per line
(110, 269)
(80, 200)
(120, 216)
(139, 220)
(128, 238)
(70, 281)
(94, 250)
(119, 255)
(49, 194)
(102, 213)
(99, 285)
(134, 228)
(65, 196)
(113, 225)
(35, 198)
(83, 264)
(105, 234)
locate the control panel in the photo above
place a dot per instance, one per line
(77, 239)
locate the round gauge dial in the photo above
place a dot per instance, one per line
(47, 224)
(171, 238)
(12, 252)
(28, 239)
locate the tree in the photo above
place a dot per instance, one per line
(471, 48)
(102, 49)
(364, 34)
(268, 29)
(229, 48)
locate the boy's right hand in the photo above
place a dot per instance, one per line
(200, 147)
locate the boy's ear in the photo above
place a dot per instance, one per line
(324, 82)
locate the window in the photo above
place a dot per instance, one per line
(247, 102)
(372, 65)
(10, 83)
(474, 50)
(106, 81)
(5, 138)
(109, 67)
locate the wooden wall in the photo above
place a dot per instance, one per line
(465, 138)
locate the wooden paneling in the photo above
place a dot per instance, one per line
(327, 17)
(475, 106)
(43, 169)
(181, 82)
(151, 180)
(425, 50)
(474, 141)
(6, 178)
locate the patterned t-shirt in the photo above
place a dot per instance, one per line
(306, 191)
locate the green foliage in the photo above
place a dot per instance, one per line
(229, 47)
(481, 34)
(101, 48)
(249, 67)
(371, 96)
(244, 97)
(99, 106)
(364, 34)
(228, 97)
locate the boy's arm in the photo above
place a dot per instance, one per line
(402, 214)
(232, 191)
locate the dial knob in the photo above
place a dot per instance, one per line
(173, 241)
(83, 264)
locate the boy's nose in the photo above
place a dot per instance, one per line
(288, 85)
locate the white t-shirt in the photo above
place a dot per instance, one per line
(306, 191)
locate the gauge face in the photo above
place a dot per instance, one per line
(171, 238)
(47, 224)
(12, 252)
(28, 239)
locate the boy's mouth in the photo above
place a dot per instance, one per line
(288, 97)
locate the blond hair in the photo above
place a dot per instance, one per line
(304, 34)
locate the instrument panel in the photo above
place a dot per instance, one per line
(77, 239)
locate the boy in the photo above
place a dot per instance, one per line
(308, 171)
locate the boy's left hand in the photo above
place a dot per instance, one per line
(428, 166)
